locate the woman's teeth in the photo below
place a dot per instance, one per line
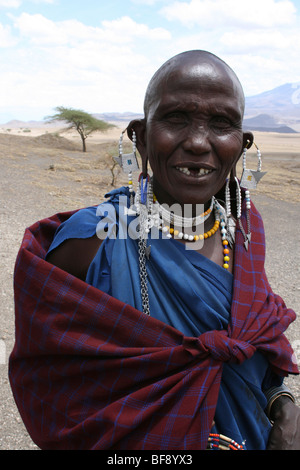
(193, 171)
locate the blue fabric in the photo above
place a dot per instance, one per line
(186, 291)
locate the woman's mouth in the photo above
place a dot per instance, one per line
(195, 172)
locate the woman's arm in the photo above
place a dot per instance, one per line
(75, 255)
(285, 433)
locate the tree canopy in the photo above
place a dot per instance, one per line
(84, 123)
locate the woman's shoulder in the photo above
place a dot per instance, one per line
(83, 223)
(77, 239)
(75, 242)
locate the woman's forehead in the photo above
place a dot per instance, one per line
(194, 83)
(196, 78)
(195, 74)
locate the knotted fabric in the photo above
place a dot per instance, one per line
(90, 372)
(219, 346)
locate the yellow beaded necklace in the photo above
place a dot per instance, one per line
(192, 238)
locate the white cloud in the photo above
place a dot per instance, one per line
(38, 2)
(40, 30)
(145, 2)
(18, 3)
(10, 3)
(6, 37)
(107, 68)
(68, 63)
(252, 41)
(125, 29)
(211, 13)
(259, 39)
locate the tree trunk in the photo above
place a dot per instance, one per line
(83, 143)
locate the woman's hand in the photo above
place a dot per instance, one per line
(285, 434)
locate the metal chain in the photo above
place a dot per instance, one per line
(144, 277)
(142, 244)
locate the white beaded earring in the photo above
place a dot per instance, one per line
(128, 162)
(250, 178)
(247, 236)
(230, 222)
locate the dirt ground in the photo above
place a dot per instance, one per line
(44, 173)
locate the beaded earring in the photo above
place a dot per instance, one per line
(250, 178)
(144, 204)
(128, 162)
(231, 225)
(247, 236)
(230, 222)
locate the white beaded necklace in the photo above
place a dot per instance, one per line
(179, 221)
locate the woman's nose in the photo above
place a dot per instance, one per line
(197, 140)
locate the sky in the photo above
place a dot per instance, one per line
(100, 55)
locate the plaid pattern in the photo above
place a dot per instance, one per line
(89, 372)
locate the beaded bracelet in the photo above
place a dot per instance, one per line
(276, 392)
(221, 442)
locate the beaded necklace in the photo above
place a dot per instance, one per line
(172, 232)
(179, 221)
(144, 205)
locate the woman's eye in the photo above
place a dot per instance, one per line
(221, 122)
(175, 117)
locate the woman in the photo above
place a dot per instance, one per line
(207, 357)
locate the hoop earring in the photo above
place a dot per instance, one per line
(250, 178)
(128, 162)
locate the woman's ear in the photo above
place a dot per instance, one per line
(139, 127)
(248, 139)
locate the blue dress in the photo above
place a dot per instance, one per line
(187, 291)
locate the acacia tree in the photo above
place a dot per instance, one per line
(83, 122)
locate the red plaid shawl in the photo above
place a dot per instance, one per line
(89, 372)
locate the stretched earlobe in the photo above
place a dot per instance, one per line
(248, 139)
(139, 127)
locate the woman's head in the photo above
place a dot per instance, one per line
(192, 131)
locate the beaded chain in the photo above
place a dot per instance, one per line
(130, 186)
(225, 241)
(221, 442)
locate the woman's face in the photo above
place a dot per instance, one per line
(193, 135)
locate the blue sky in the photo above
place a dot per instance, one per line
(100, 55)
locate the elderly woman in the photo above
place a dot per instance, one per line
(148, 322)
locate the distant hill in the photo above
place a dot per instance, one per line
(16, 124)
(266, 123)
(118, 117)
(281, 105)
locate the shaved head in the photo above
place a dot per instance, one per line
(209, 64)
